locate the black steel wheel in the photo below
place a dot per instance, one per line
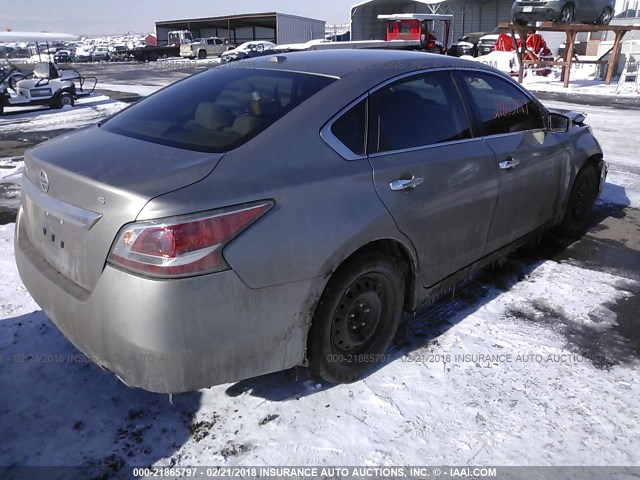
(566, 15)
(581, 201)
(605, 17)
(202, 54)
(62, 100)
(356, 318)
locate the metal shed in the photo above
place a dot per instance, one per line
(273, 26)
(469, 15)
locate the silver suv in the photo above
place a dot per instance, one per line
(563, 11)
(203, 47)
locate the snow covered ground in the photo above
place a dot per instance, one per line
(527, 365)
(525, 369)
(584, 78)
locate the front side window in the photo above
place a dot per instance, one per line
(418, 111)
(216, 110)
(501, 107)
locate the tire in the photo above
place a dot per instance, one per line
(365, 296)
(63, 100)
(583, 196)
(605, 17)
(566, 15)
(202, 54)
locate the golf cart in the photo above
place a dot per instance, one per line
(10, 75)
(49, 85)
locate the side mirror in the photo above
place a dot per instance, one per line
(558, 123)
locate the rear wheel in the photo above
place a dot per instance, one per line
(356, 319)
(581, 201)
(202, 54)
(605, 17)
(566, 15)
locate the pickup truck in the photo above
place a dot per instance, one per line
(203, 47)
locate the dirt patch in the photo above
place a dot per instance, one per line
(202, 429)
(605, 347)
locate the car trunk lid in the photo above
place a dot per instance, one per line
(78, 193)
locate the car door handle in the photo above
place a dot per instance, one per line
(509, 163)
(400, 185)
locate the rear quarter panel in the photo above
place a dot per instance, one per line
(326, 207)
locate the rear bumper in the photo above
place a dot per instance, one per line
(486, 48)
(173, 336)
(549, 11)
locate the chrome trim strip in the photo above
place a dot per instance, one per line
(68, 213)
(425, 147)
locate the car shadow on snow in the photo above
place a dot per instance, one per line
(604, 348)
(59, 409)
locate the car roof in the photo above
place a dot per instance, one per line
(340, 63)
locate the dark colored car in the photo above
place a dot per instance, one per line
(467, 45)
(63, 56)
(284, 211)
(563, 11)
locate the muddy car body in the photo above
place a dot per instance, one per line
(248, 220)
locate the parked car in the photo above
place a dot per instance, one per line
(487, 43)
(119, 53)
(100, 54)
(62, 56)
(249, 50)
(248, 220)
(203, 48)
(467, 45)
(562, 11)
(83, 55)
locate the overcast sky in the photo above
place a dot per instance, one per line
(120, 16)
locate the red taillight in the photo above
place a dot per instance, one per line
(183, 246)
(431, 44)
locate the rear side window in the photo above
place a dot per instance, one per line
(501, 107)
(418, 111)
(217, 110)
(350, 128)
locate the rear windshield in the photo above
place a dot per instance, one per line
(217, 110)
